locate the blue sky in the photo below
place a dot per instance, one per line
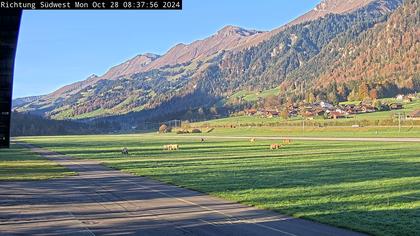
(60, 47)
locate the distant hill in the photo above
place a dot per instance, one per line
(318, 53)
(21, 101)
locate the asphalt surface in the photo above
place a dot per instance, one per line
(102, 201)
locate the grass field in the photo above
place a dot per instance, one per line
(313, 131)
(369, 187)
(19, 163)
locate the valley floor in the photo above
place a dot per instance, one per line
(102, 201)
(300, 131)
(371, 187)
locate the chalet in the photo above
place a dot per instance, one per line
(400, 97)
(412, 96)
(415, 115)
(395, 106)
(368, 108)
(319, 112)
(336, 115)
(309, 115)
(307, 107)
(293, 112)
(351, 109)
(251, 112)
(407, 99)
(326, 105)
(271, 114)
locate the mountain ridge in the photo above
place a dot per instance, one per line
(197, 75)
(182, 53)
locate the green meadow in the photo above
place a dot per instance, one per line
(365, 186)
(312, 131)
(19, 163)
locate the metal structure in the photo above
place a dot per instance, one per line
(9, 31)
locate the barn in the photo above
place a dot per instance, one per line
(415, 115)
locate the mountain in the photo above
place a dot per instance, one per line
(129, 67)
(204, 73)
(389, 51)
(228, 38)
(385, 58)
(269, 64)
(225, 39)
(324, 8)
(21, 101)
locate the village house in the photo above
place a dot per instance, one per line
(395, 106)
(308, 116)
(407, 98)
(400, 97)
(293, 112)
(352, 109)
(329, 111)
(415, 115)
(271, 113)
(412, 96)
(319, 111)
(367, 108)
(326, 105)
(250, 112)
(336, 115)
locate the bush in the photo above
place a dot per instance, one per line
(165, 129)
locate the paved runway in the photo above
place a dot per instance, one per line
(102, 201)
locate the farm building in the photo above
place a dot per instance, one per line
(396, 106)
(271, 114)
(368, 108)
(336, 115)
(415, 115)
(399, 97)
(251, 112)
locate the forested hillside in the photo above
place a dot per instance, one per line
(384, 59)
(386, 56)
(271, 62)
(28, 125)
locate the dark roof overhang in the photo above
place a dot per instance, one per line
(9, 31)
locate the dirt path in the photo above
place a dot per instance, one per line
(102, 201)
